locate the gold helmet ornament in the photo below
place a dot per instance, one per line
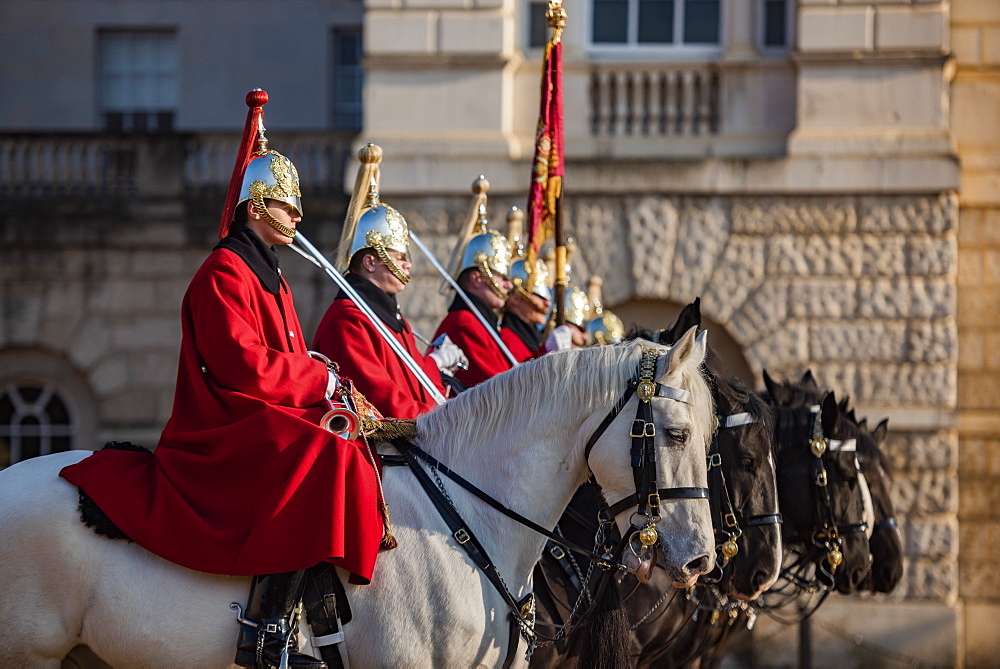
(576, 307)
(260, 173)
(526, 282)
(605, 327)
(479, 247)
(370, 223)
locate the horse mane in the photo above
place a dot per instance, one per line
(578, 377)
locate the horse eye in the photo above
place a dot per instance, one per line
(747, 463)
(677, 436)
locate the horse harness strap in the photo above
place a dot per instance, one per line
(470, 543)
(647, 495)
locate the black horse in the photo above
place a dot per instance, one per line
(743, 496)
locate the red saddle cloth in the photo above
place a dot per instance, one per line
(243, 480)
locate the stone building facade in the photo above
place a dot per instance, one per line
(828, 191)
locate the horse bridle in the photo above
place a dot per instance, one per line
(827, 534)
(726, 521)
(648, 495)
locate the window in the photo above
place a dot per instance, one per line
(348, 79)
(776, 22)
(138, 80)
(34, 420)
(672, 23)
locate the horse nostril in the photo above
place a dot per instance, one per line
(699, 565)
(758, 579)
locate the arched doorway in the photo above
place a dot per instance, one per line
(655, 314)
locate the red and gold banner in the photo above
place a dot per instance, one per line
(548, 167)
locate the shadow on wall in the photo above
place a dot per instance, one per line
(656, 314)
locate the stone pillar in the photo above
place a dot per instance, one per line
(975, 120)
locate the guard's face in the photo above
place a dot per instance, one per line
(383, 277)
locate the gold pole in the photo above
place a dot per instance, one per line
(556, 17)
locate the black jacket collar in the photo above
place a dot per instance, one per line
(382, 303)
(524, 330)
(458, 304)
(259, 257)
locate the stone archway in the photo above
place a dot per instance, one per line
(653, 314)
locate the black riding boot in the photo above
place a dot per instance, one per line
(270, 605)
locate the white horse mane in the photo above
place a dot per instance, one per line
(575, 378)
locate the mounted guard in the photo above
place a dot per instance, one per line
(605, 327)
(374, 257)
(479, 267)
(244, 481)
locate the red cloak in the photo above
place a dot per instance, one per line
(485, 357)
(347, 336)
(243, 480)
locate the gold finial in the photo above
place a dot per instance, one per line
(594, 293)
(481, 185)
(515, 230)
(261, 139)
(482, 225)
(556, 17)
(372, 193)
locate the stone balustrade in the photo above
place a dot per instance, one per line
(654, 100)
(74, 166)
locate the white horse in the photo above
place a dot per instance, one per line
(520, 437)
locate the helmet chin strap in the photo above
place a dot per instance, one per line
(386, 259)
(257, 197)
(528, 298)
(487, 273)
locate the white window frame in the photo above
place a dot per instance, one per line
(674, 51)
(45, 430)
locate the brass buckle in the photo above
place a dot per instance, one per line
(636, 434)
(462, 536)
(650, 430)
(653, 501)
(557, 552)
(730, 520)
(714, 460)
(821, 479)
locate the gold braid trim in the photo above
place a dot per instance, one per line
(388, 429)
(257, 196)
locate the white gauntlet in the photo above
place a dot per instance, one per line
(448, 356)
(560, 339)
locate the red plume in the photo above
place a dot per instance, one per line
(256, 99)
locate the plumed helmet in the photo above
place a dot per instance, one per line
(270, 175)
(519, 276)
(371, 223)
(380, 227)
(576, 307)
(487, 251)
(260, 173)
(606, 328)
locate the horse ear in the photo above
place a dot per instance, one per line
(689, 317)
(809, 381)
(831, 413)
(880, 431)
(774, 389)
(689, 349)
(863, 425)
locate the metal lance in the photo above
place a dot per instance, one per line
(461, 293)
(310, 253)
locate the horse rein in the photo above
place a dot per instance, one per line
(725, 519)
